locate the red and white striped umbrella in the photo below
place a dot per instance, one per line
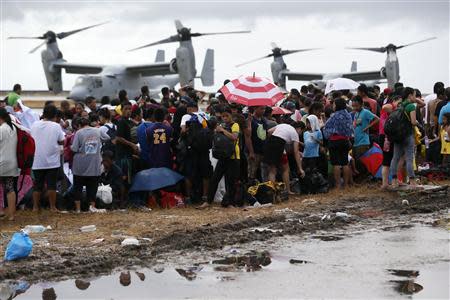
(252, 91)
(277, 110)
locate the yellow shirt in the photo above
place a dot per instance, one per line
(445, 145)
(236, 129)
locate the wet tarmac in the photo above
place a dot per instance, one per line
(397, 261)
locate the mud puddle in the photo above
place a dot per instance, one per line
(401, 262)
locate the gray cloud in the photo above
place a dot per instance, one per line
(430, 14)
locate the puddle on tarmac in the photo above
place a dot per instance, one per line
(402, 263)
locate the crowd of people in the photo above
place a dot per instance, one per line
(108, 141)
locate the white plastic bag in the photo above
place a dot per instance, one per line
(104, 193)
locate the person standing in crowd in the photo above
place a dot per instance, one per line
(363, 92)
(443, 107)
(432, 105)
(14, 96)
(125, 149)
(9, 171)
(159, 136)
(406, 148)
(445, 139)
(48, 137)
(312, 138)
(428, 99)
(338, 130)
(108, 128)
(275, 154)
(364, 120)
(86, 167)
(255, 138)
(165, 100)
(112, 176)
(91, 104)
(230, 167)
(141, 131)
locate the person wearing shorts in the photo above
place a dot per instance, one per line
(49, 138)
(275, 155)
(338, 130)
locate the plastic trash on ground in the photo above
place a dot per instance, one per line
(88, 228)
(130, 242)
(36, 228)
(19, 247)
(342, 215)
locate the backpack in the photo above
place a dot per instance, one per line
(222, 146)
(398, 125)
(25, 152)
(109, 145)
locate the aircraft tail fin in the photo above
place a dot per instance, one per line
(160, 56)
(207, 75)
(52, 75)
(354, 67)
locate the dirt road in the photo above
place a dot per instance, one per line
(65, 252)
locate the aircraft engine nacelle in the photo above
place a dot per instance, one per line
(173, 66)
(186, 69)
(53, 75)
(383, 72)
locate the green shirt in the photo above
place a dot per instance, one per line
(409, 107)
(13, 97)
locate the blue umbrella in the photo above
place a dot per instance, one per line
(154, 179)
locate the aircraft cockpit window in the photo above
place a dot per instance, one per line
(98, 83)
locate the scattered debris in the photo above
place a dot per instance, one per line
(404, 273)
(97, 241)
(327, 238)
(140, 275)
(266, 230)
(309, 201)
(407, 286)
(326, 217)
(405, 202)
(234, 251)
(48, 294)
(342, 215)
(298, 261)
(130, 241)
(36, 228)
(125, 278)
(252, 261)
(188, 274)
(158, 269)
(88, 228)
(82, 285)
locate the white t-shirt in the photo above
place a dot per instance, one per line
(46, 136)
(287, 133)
(427, 100)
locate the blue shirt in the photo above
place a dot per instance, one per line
(362, 120)
(142, 140)
(444, 110)
(311, 146)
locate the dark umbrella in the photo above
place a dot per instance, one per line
(154, 179)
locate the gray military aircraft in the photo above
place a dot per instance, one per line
(185, 59)
(101, 80)
(390, 71)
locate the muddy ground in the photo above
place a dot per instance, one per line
(65, 252)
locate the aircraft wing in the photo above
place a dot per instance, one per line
(162, 68)
(362, 76)
(302, 76)
(78, 68)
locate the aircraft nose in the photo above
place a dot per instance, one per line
(78, 94)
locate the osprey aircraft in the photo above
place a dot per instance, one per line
(108, 80)
(390, 71)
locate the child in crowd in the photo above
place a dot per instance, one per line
(312, 140)
(445, 140)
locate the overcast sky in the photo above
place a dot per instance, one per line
(332, 25)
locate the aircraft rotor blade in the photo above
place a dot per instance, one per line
(26, 37)
(173, 38)
(375, 49)
(39, 46)
(215, 33)
(62, 35)
(287, 52)
(422, 41)
(178, 24)
(253, 60)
